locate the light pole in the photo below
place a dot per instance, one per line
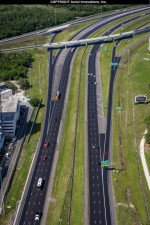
(55, 17)
(30, 83)
(2, 189)
(128, 62)
(126, 107)
(39, 78)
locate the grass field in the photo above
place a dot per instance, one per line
(128, 193)
(27, 41)
(28, 150)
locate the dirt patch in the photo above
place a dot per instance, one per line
(147, 146)
(132, 210)
(53, 200)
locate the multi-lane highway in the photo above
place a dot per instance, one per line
(99, 201)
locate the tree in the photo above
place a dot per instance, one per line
(35, 102)
(147, 121)
(11, 85)
(24, 83)
(147, 137)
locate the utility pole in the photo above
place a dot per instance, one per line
(2, 190)
(36, 37)
(39, 78)
(126, 107)
(55, 17)
(30, 83)
(128, 62)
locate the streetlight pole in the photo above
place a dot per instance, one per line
(30, 84)
(128, 62)
(127, 108)
(39, 78)
(55, 17)
(2, 189)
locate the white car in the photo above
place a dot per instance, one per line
(37, 216)
(14, 139)
(39, 183)
(7, 155)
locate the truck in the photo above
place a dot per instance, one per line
(57, 95)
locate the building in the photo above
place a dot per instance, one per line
(2, 86)
(6, 94)
(9, 116)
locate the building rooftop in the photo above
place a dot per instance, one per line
(9, 108)
(10, 105)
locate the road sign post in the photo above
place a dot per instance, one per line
(118, 107)
(114, 64)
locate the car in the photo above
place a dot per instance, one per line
(14, 139)
(98, 163)
(11, 144)
(37, 216)
(7, 155)
(72, 49)
(46, 144)
(44, 158)
(92, 114)
(40, 183)
(93, 146)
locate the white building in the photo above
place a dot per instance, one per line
(6, 94)
(10, 115)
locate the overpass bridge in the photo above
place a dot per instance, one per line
(84, 42)
(90, 41)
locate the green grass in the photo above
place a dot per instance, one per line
(27, 41)
(129, 178)
(147, 157)
(28, 150)
(77, 212)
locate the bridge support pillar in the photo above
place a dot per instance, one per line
(65, 46)
(86, 43)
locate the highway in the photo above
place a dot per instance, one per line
(35, 199)
(99, 144)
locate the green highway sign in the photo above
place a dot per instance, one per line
(114, 64)
(118, 107)
(105, 163)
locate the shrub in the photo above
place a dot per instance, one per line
(34, 102)
(24, 83)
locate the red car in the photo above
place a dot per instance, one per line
(44, 158)
(46, 144)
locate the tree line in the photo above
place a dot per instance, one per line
(14, 65)
(17, 19)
